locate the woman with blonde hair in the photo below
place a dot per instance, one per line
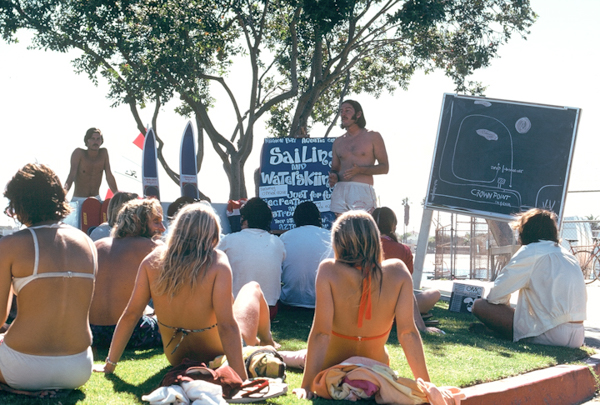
(190, 284)
(51, 267)
(357, 298)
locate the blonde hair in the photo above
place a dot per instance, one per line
(134, 217)
(193, 237)
(356, 242)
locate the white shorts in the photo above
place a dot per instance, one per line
(351, 195)
(566, 335)
(30, 372)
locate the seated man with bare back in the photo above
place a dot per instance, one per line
(87, 167)
(354, 162)
(119, 257)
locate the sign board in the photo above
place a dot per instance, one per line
(294, 170)
(495, 158)
(463, 296)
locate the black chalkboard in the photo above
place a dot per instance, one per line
(496, 158)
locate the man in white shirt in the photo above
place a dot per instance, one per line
(305, 247)
(552, 296)
(254, 254)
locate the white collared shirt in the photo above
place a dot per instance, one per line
(551, 288)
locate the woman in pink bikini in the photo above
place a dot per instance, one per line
(51, 268)
(357, 298)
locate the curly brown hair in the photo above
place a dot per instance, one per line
(36, 195)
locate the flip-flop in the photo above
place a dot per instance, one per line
(426, 316)
(258, 390)
(432, 322)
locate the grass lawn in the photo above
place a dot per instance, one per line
(457, 358)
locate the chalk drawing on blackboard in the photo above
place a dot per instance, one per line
(487, 179)
(496, 158)
(523, 125)
(487, 134)
(548, 196)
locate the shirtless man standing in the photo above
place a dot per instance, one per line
(353, 163)
(87, 167)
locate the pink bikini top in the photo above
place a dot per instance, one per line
(20, 282)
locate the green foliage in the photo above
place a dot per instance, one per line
(304, 56)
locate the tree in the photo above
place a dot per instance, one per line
(304, 56)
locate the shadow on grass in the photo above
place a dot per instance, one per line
(70, 398)
(149, 385)
(140, 354)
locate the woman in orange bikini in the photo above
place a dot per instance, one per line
(190, 283)
(357, 298)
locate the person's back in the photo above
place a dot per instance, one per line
(63, 299)
(305, 247)
(118, 263)
(345, 283)
(254, 254)
(174, 311)
(51, 268)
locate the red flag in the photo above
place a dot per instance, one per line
(139, 141)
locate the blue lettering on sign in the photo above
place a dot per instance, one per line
(300, 164)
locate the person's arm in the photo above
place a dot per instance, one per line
(132, 314)
(110, 178)
(381, 157)
(75, 159)
(334, 172)
(229, 331)
(513, 277)
(419, 323)
(408, 335)
(318, 340)
(5, 280)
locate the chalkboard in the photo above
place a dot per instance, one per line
(496, 158)
(294, 170)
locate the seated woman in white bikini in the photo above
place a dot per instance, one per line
(51, 268)
(357, 298)
(190, 283)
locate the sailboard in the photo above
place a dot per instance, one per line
(150, 166)
(188, 173)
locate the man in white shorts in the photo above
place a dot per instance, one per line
(552, 296)
(357, 156)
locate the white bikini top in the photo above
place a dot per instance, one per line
(20, 282)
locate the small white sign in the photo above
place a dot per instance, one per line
(273, 191)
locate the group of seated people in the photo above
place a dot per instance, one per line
(210, 295)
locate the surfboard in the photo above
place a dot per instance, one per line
(188, 173)
(104, 210)
(90, 213)
(150, 166)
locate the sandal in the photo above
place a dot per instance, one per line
(432, 322)
(258, 390)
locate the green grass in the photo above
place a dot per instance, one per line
(457, 358)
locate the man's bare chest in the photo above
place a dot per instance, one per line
(88, 166)
(355, 147)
